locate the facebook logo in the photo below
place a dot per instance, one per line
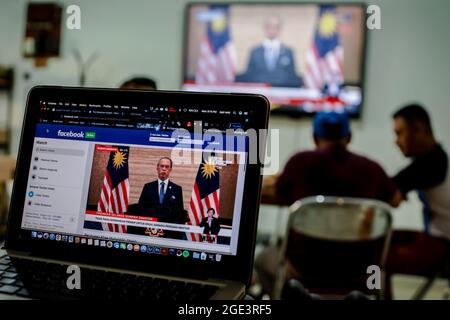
(70, 134)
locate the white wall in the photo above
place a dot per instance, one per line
(406, 61)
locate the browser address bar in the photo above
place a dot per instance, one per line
(161, 139)
(187, 140)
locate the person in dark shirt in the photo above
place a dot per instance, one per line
(332, 170)
(413, 252)
(329, 170)
(415, 139)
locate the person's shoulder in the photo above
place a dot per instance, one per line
(151, 183)
(435, 161)
(439, 154)
(173, 184)
(305, 154)
(257, 48)
(443, 158)
(303, 157)
(286, 49)
(441, 150)
(363, 160)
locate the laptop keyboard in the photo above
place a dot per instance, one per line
(42, 280)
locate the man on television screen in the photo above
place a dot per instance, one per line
(162, 198)
(272, 62)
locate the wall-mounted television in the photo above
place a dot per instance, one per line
(303, 57)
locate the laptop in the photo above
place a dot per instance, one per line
(130, 194)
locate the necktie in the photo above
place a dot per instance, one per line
(272, 58)
(161, 193)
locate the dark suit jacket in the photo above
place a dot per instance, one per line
(213, 229)
(171, 210)
(283, 75)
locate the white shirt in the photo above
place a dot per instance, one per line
(438, 199)
(271, 52)
(166, 183)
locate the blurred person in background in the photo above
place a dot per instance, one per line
(416, 252)
(139, 83)
(330, 170)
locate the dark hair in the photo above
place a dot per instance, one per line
(414, 113)
(332, 131)
(209, 209)
(141, 82)
(167, 159)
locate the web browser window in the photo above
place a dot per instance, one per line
(155, 177)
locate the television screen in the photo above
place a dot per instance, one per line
(303, 57)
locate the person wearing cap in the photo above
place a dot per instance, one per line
(332, 170)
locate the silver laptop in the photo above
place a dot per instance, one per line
(135, 195)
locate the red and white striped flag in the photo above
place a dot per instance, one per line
(325, 58)
(116, 188)
(217, 59)
(205, 195)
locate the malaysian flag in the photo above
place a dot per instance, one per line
(324, 60)
(116, 188)
(217, 59)
(205, 195)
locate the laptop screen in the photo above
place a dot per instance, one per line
(151, 178)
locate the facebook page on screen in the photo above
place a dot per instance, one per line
(143, 175)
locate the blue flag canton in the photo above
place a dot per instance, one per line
(326, 36)
(218, 30)
(207, 179)
(118, 166)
